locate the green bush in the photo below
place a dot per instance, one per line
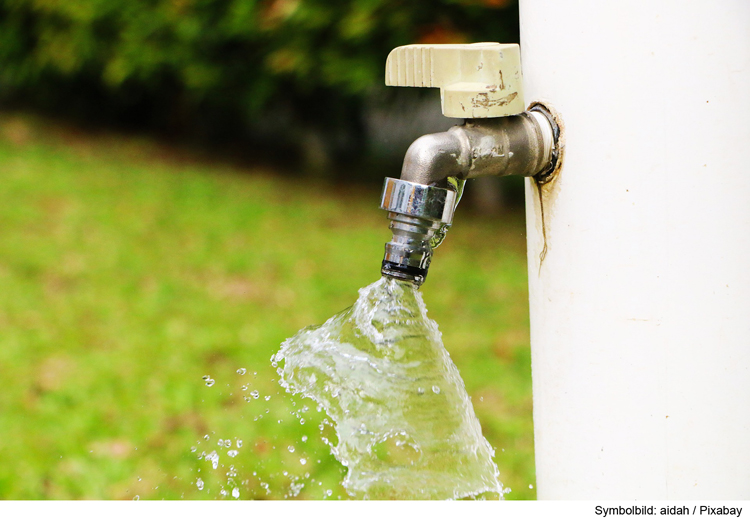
(218, 65)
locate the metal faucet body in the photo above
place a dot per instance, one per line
(421, 204)
(513, 145)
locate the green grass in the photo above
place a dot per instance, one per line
(128, 272)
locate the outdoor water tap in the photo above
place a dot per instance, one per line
(481, 83)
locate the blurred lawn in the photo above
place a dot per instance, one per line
(128, 272)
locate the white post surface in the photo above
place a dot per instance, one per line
(640, 311)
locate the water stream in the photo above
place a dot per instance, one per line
(405, 425)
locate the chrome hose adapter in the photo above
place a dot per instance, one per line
(418, 213)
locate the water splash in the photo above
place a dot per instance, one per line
(368, 368)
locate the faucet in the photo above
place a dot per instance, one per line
(499, 137)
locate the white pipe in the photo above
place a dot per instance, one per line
(640, 311)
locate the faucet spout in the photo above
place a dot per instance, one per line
(521, 145)
(421, 205)
(434, 157)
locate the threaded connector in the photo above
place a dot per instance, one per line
(417, 212)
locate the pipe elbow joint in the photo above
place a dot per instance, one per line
(434, 157)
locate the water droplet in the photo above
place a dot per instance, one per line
(245, 387)
(193, 448)
(304, 438)
(435, 390)
(420, 391)
(136, 498)
(267, 398)
(241, 371)
(235, 491)
(239, 443)
(213, 457)
(531, 486)
(255, 394)
(206, 437)
(290, 448)
(232, 453)
(199, 483)
(303, 461)
(210, 382)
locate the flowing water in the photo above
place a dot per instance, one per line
(405, 425)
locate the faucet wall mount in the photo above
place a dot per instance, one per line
(480, 82)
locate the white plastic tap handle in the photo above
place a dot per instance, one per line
(481, 80)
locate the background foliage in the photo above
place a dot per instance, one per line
(130, 270)
(213, 68)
